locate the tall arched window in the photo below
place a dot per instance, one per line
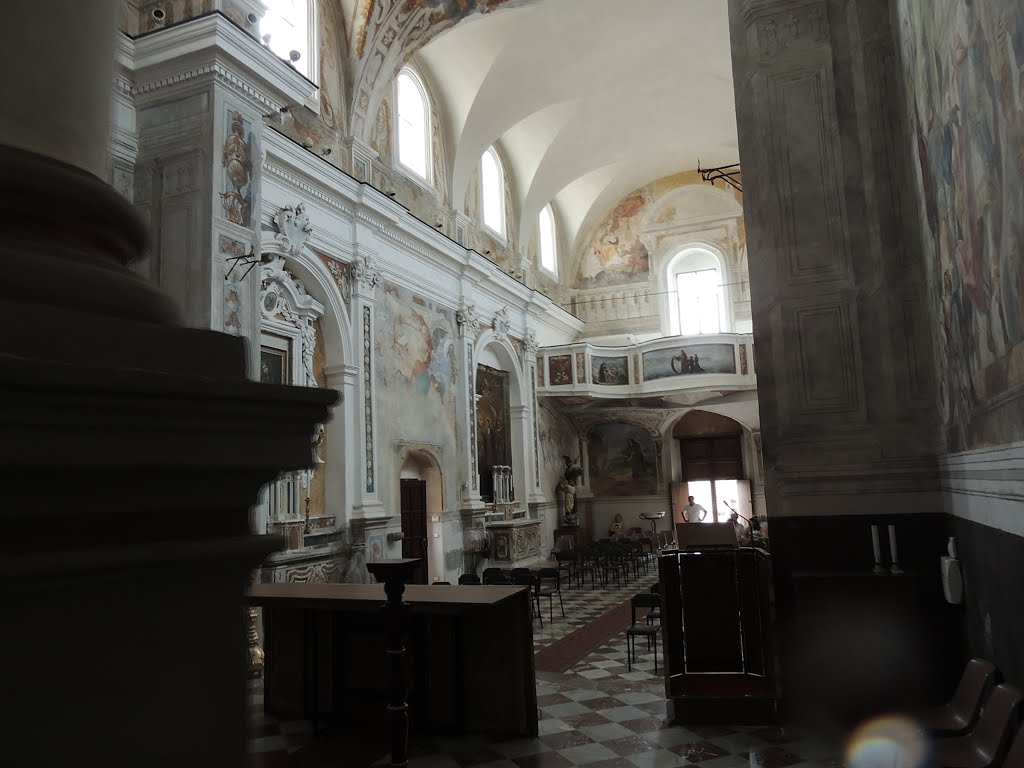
(288, 28)
(413, 125)
(492, 191)
(546, 240)
(696, 293)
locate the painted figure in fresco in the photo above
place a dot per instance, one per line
(237, 161)
(637, 462)
(683, 363)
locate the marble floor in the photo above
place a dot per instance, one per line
(595, 713)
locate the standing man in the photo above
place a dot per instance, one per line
(693, 513)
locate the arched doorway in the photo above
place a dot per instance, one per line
(420, 491)
(711, 467)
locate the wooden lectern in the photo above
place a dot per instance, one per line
(717, 628)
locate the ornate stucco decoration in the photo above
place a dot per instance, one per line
(283, 299)
(530, 343)
(468, 320)
(500, 325)
(365, 272)
(293, 228)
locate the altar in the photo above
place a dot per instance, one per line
(515, 542)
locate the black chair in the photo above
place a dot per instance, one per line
(498, 578)
(649, 601)
(491, 572)
(549, 584)
(442, 583)
(589, 562)
(527, 579)
(566, 560)
(655, 613)
(612, 561)
(469, 578)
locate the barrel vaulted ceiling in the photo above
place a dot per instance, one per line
(587, 99)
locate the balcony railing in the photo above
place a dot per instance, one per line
(668, 364)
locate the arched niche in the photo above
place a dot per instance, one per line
(301, 272)
(423, 464)
(494, 352)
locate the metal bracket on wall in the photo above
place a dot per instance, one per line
(249, 260)
(730, 174)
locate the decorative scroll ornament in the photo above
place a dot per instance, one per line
(530, 342)
(365, 273)
(293, 228)
(468, 320)
(501, 323)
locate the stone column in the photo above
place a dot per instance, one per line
(131, 450)
(536, 494)
(840, 324)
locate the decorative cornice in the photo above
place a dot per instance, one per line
(212, 47)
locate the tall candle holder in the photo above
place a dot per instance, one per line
(895, 566)
(877, 548)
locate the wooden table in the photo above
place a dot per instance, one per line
(470, 648)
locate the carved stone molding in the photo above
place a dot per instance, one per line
(365, 272)
(530, 344)
(293, 228)
(798, 28)
(501, 324)
(469, 320)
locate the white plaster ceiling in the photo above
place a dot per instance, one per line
(587, 99)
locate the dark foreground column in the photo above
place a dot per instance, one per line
(130, 449)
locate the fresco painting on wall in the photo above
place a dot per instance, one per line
(692, 359)
(967, 120)
(616, 254)
(416, 371)
(559, 370)
(236, 159)
(622, 460)
(557, 438)
(609, 370)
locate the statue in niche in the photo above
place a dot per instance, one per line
(568, 484)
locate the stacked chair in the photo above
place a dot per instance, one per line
(980, 726)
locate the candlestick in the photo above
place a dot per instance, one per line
(895, 567)
(877, 549)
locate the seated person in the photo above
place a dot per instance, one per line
(741, 531)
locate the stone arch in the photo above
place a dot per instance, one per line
(336, 329)
(491, 345)
(422, 461)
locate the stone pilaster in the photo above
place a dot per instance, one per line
(367, 278)
(839, 337)
(469, 328)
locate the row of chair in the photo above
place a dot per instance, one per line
(606, 559)
(974, 729)
(546, 582)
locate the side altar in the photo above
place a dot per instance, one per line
(515, 536)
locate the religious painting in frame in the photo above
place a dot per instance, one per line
(273, 366)
(689, 360)
(559, 370)
(609, 370)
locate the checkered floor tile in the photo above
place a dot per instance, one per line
(582, 606)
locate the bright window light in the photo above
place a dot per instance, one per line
(699, 295)
(492, 190)
(413, 125)
(285, 28)
(546, 236)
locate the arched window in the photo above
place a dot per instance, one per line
(546, 240)
(288, 28)
(413, 125)
(696, 293)
(492, 191)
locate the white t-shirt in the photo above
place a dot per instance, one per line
(692, 513)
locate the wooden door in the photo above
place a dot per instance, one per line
(414, 526)
(678, 495)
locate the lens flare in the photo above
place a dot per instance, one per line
(887, 742)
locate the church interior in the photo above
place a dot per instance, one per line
(519, 384)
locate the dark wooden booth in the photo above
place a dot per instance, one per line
(469, 649)
(718, 634)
